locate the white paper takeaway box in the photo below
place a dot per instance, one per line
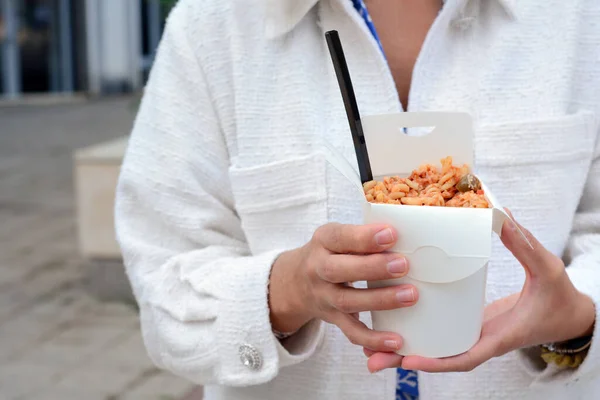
(447, 248)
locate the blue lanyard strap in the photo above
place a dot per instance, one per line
(359, 5)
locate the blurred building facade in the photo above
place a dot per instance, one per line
(64, 46)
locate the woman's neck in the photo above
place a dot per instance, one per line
(402, 26)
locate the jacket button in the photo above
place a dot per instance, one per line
(250, 357)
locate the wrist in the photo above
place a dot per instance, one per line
(572, 352)
(588, 315)
(288, 306)
(577, 319)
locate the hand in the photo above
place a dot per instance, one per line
(312, 282)
(548, 309)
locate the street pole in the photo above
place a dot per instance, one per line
(11, 63)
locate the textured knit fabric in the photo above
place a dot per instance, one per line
(407, 387)
(362, 10)
(225, 170)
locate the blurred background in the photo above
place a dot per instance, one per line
(71, 73)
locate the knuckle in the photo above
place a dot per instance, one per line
(314, 281)
(311, 268)
(368, 268)
(364, 240)
(319, 234)
(374, 342)
(324, 308)
(337, 235)
(326, 234)
(353, 338)
(356, 236)
(382, 301)
(341, 301)
(327, 270)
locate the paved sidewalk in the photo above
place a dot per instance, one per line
(56, 342)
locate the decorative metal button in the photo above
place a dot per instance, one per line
(250, 357)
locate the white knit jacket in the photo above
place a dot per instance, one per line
(225, 170)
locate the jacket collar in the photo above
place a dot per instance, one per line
(284, 15)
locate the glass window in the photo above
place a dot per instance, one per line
(37, 49)
(44, 51)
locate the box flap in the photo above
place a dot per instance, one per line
(500, 215)
(393, 152)
(441, 244)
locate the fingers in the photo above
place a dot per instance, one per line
(500, 306)
(498, 337)
(356, 239)
(360, 335)
(481, 352)
(525, 235)
(535, 258)
(350, 300)
(380, 361)
(341, 268)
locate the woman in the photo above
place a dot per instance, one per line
(238, 237)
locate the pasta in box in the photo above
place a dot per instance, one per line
(447, 248)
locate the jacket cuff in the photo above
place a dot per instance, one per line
(587, 281)
(302, 344)
(247, 349)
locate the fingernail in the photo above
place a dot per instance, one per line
(406, 295)
(397, 266)
(392, 344)
(384, 237)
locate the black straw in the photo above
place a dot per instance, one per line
(345, 83)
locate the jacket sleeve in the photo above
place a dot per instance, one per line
(583, 268)
(202, 294)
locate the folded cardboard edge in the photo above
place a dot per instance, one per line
(451, 270)
(500, 216)
(344, 167)
(392, 151)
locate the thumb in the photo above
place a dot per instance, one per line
(526, 248)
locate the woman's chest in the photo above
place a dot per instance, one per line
(523, 84)
(535, 131)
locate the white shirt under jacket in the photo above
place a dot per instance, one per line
(225, 170)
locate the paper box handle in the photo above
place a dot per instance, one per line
(393, 152)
